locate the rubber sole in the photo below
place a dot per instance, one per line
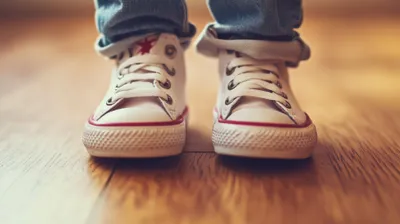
(264, 142)
(134, 142)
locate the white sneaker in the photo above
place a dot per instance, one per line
(256, 113)
(144, 111)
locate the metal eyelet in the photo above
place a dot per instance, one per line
(166, 85)
(230, 71)
(284, 95)
(120, 76)
(171, 72)
(232, 85)
(288, 105)
(170, 51)
(168, 100)
(110, 102)
(228, 101)
(278, 84)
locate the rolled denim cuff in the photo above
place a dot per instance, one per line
(111, 49)
(291, 52)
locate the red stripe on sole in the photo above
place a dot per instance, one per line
(179, 120)
(307, 123)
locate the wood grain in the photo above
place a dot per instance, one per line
(204, 188)
(45, 174)
(50, 82)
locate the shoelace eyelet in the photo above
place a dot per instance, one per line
(232, 85)
(170, 51)
(284, 95)
(288, 105)
(230, 71)
(110, 102)
(278, 84)
(168, 100)
(228, 101)
(120, 76)
(166, 85)
(171, 72)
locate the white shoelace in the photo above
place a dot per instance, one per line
(253, 78)
(143, 76)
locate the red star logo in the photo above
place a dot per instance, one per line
(146, 46)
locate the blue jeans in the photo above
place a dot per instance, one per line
(261, 20)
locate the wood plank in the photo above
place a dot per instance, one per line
(45, 174)
(204, 188)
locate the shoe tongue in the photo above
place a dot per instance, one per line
(250, 102)
(147, 45)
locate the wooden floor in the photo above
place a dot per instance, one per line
(51, 80)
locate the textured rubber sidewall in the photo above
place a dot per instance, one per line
(264, 142)
(134, 142)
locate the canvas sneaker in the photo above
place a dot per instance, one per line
(143, 113)
(257, 114)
